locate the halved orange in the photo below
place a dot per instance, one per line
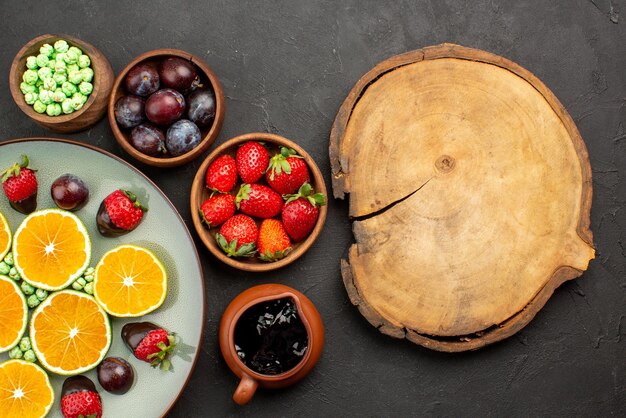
(70, 332)
(130, 281)
(25, 390)
(13, 314)
(51, 248)
(5, 236)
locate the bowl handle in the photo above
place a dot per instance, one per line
(245, 390)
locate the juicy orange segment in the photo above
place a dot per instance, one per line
(130, 281)
(13, 313)
(5, 236)
(70, 332)
(25, 390)
(51, 249)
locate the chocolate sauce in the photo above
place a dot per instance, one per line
(134, 332)
(25, 206)
(78, 383)
(105, 225)
(270, 337)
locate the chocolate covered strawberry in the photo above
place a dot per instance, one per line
(259, 200)
(252, 160)
(19, 183)
(237, 236)
(300, 212)
(221, 175)
(287, 171)
(79, 398)
(149, 343)
(273, 242)
(217, 209)
(119, 213)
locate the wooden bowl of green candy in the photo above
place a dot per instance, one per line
(61, 82)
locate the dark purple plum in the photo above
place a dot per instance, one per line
(142, 80)
(148, 139)
(201, 107)
(115, 375)
(69, 192)
(178, 74)
(165, 107)
(129, 111)
(182, 137)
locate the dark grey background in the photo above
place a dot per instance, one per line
(286, 68)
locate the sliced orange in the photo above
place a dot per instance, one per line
(25, 390)
(5, 236)
(51, 248)
(70, 332)
(13, 314)
(130, 281)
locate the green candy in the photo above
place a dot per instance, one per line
(68, 88)
(60, 67)
(75, 77)
(9, 258)
(45, 97)
(44, 73)
(61, 46)
(46, 49)
(75, 50)
(15, 353)
(60, 78)
(51, 64)
(25, 344)
(39, 107)
(32, 301)
(77, 101)
(85, 88)
(66, 106)
(87, 74)
(42, 60)
(31, 98)
(14, 274)
(30, 356)
(31, 63)
(4, 268)
(58, 96)
(53, 109)
(70, 57)
(28, 88)
(89, 273)
(41, 294)
(72, 67)
(50, 84)
(27, 289)
(89, 288)
(59, 57)
(79, 284)
(84, 61)
(31, 77)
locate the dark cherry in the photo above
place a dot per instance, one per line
(134, 332)
(130, 111)
(25, 206)
(148, 139)
(178, 74)
(115, 375)
(69, 192)
(201, 107)
(182, 137)
(78, 383)
(142, 80)
(165, 107)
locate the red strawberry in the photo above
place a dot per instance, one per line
(259, 200)
(273, 242)
(217, 209)
(149, 343)
(300, 212)
(221, 175)
(238, 235)
(20, 186)
(287, 171)
(119, 213)
(79, 398)
(252, 160)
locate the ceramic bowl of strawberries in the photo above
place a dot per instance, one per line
(258, 202)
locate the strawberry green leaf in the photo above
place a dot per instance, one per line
(242, 194)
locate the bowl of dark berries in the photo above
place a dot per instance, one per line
(166, 107)
(61, 82)
(258, 202)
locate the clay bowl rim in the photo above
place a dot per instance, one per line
(18, 66)
(198, 190)
(211, 135)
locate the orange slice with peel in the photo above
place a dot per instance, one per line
(51, 249)
(5, 236)
(13, 314)
(130, 281)
(25, 390)
(70, 332)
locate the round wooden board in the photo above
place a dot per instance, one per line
(470, 192)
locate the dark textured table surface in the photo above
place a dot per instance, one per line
(286, 68)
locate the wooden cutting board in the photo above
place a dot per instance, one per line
(470, 194)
